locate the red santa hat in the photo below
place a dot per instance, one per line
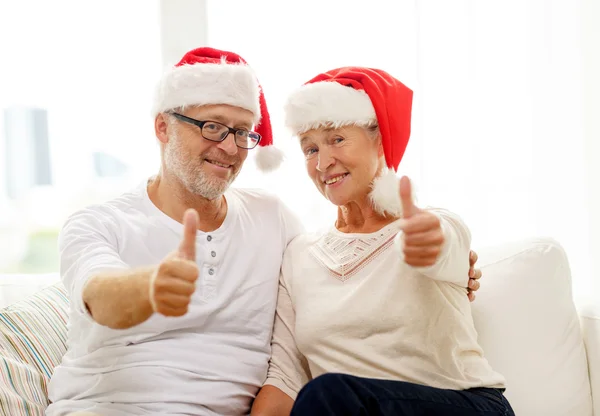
(359, 96)
(207, 76)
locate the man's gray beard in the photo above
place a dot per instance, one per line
(193, 177)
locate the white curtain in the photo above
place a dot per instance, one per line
(499, 133)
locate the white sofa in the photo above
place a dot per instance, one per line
(14, 287)
(527, 322)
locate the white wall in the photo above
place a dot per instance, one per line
(590, 33)
(183, 27)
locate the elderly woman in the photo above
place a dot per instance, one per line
(372, 315)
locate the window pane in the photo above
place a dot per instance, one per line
(75, 95)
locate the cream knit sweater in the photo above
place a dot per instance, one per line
(349, 304)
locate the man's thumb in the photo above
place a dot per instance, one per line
(187, 248)
(406, 198)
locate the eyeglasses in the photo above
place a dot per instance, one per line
(217, 132)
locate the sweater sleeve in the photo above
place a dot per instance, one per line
(288, 369)
(452, 264)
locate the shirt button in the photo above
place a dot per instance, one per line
(211, 271)
(209, 238)
(213, 253)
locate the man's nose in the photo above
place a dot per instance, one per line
(228, 145)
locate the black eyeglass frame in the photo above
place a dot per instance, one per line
(230, 130)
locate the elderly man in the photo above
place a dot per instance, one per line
(172, 311)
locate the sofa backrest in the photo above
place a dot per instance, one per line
(15, 287)
(529, 328)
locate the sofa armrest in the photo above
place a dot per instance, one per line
(589, 315)
(33, 336)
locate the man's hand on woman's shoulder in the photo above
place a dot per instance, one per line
(474, 276)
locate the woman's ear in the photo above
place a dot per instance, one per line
(381, 152)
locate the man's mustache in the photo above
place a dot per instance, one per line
(221, 157)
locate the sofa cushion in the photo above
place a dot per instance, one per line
(529, 328)
(33, 336)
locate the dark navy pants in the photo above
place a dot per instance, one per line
(340, 394)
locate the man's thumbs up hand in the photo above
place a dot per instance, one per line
(423, 237)
(187, 248)
(174, 280)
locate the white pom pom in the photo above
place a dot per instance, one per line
(385, 194)
(268, 158)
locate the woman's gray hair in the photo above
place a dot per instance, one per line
(373, 130)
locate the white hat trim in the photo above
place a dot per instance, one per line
(385, 194)
(327, 103)
(205, 84)
(268, 158)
